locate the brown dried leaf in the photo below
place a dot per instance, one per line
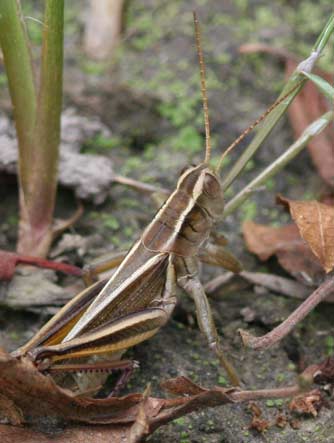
(141, 427)
(27, 396)
(32, 393)
(182, 386)
(309, 403)
(325, 373)
(255, 409)
(96, 434)
(285, 242)
(295, 424)
(315, 222)
(281, 421)
(259, 424)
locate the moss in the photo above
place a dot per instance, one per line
(222, 381)
(93, 67)
(187, 139)
(270, 184)
(101, 143)
(12, 220)
(280, 377)
(329, 342)
(249, 210)
(180, 421)
(270, 403)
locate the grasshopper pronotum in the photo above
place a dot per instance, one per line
(111, 316)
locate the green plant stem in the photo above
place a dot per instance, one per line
(17, 60)
(37, 212)
(271, 121)
(312, 130)
(37, 120)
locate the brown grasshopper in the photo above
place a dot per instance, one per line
(111, 316)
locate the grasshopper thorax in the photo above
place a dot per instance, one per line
(204, 186)
(185, 220)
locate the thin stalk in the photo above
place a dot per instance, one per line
(312, 130)
(18, 65)
(275, 116)
(37, 210)
(281, 331)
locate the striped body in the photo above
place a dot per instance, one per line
(177, 231)
(185, 220)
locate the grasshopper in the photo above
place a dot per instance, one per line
(111, 316)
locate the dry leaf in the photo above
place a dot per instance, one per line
(33, 393)
(96, 434)
(295, 424)
(281, 421)
(315, 222)
(293, 254)
(325, 374)
(27, 396)
(259, 424)
(309, 403)
(309, 105)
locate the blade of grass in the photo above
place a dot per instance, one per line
(312, 130)
(323, 86)
(18, 65)
(274, 117)
(36, 223)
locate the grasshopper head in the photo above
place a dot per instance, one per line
(204, 187)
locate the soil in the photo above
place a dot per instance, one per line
(149, 99)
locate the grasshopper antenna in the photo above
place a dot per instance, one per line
(253, 125)
(203, 88)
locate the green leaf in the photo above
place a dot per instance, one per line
(321, 84)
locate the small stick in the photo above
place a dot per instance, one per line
(140, 186)
(274, 336)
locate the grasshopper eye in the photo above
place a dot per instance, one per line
(183, 170)
(211, 186)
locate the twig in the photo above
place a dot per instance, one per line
(281, 285)
(274, 336)
(140, 186)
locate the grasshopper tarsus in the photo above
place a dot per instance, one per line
(121, 382)
(105, 366)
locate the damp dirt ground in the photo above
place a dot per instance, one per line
(149, 98)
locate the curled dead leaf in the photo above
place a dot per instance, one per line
(281, 421)
(259, 424)
(309, 403)
(315, 222)
(325, 374)
(293, 254)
